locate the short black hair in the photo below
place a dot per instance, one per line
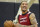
(23, 1)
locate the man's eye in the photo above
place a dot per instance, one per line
(22, 4)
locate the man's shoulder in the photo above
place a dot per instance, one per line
(31, 13)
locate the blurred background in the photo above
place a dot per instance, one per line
(10, 8)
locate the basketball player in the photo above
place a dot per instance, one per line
(27, 18)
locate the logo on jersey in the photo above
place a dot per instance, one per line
(23, 19)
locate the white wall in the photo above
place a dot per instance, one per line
(17, 1)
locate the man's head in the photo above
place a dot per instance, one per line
(24, 6)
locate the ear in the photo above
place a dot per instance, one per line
(20, 5)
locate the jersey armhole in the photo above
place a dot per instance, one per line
(30, 14)
(18, 17)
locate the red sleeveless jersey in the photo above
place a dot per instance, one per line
(24, 19)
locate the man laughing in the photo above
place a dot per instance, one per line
(27, 18)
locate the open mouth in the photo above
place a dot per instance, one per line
(23, 10)
(24, 7)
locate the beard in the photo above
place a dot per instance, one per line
(23, 10)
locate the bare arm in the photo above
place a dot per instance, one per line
(33, 20)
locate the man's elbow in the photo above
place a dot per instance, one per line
(36, 25)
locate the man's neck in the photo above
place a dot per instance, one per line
(24, 12)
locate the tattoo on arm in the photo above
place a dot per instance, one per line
(33, 18)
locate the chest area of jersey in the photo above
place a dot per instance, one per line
(24, 18)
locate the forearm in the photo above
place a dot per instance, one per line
(36, 25)
(33, 25)
(19, 25)
(29, 25)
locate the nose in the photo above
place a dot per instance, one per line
(24, 5)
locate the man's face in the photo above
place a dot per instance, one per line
(24, 6)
